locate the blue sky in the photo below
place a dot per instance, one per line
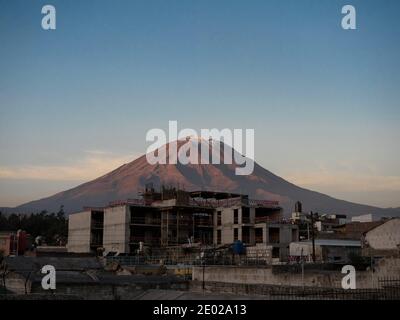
(324, 102)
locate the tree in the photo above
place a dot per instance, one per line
(53, 227)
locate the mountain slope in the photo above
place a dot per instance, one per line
(127, 180)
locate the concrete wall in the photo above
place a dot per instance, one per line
(385, 236)
(5, 243)
(227, 225)
(79, 232)
(305, 248)
(17, 284)
(312, 278)
(260, 252)
(365, 218)
(287, 233)
(264, 275)
(116, 229)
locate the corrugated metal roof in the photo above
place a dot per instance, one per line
(334, 242)
(22, 263)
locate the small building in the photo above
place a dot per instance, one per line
(351, 230)
(323, 223)
(336, 244)
(7, 243)
(261, 226)
(13, 243)
(278, 235)
(255, 223)
(298, 215)
(326, 222)
(85, 230)
(326, 250)
(370, 217)
(383, 239)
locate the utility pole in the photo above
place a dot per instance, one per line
(372, 272)
(17, 237)
(312, 235)
(302, 269)
(203, 267)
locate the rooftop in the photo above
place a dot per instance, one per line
(22, 263)
(352, 230)
(209, 199)
(216, 195)
(333, 242)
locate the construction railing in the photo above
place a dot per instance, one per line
(255, 259)
(246, 219)
(209, 203)
(96, 241)
(145, 220)
(145, 240)
(203, 221)
(275, 292)
(97, 224)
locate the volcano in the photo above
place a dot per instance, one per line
(130, 179)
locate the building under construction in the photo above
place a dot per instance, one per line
(173, 217)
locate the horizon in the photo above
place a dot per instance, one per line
(201, 139)
(77, 102)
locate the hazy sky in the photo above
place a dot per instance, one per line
(77, 102)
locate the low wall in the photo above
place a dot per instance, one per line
(264, 275)
(272, 292)
(387, 268)
(111, 289)
(102, 291)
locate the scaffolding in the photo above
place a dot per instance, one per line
(180, 225)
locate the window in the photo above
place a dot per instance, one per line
(294, 235)
(275, 252)
(235, 216)
(246, 235)
(259, 235)
(235, 234)
(219, 218)
(273, 235)
(245, 215)
(218, 236)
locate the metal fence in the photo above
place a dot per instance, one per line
(274, 292)
(389, 282)
(224, 259)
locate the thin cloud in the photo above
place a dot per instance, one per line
(345, 181)
(93, 164)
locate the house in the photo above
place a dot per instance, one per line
(337, 246)
(326, 250)
(383, 239)
(13, 243)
